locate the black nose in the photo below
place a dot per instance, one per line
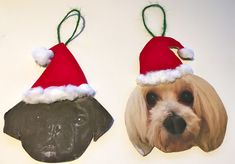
(174, 124)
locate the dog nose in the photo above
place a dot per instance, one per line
(174, 124)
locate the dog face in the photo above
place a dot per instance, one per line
(176, 116)
(59, 131)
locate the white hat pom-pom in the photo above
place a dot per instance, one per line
(42, 56)
(186, 53)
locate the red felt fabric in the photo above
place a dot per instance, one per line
(62, 70)
(156, 55)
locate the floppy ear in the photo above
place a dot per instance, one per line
(14, 120)
(136, 122)
(102, 119)
(209, 107)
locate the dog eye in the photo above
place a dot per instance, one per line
(80, 120)
(186, 97)
(151, 99)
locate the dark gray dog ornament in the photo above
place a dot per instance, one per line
(58, 117)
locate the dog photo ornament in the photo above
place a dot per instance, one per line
(171, 108)
(58, 116)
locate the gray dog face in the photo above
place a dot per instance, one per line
(60, 131)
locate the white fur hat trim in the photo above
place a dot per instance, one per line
(52, 94)
(164, 76)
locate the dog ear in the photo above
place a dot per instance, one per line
(102, 119)
(136, 122)
(209, 107)
(14, 120)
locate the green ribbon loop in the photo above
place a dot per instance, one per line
(73, 12)
(164, 19)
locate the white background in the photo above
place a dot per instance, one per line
(108, 52)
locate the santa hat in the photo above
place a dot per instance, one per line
(63, 79)
(159, 64)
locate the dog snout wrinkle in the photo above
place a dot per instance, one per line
(174, 124)
(54, 130)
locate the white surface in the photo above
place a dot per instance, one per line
(108, 51)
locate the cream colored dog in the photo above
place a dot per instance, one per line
(176, 116)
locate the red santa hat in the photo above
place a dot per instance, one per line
(159, 64)
(63, 79)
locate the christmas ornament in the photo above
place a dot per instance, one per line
(171, 108)
(58, 116)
